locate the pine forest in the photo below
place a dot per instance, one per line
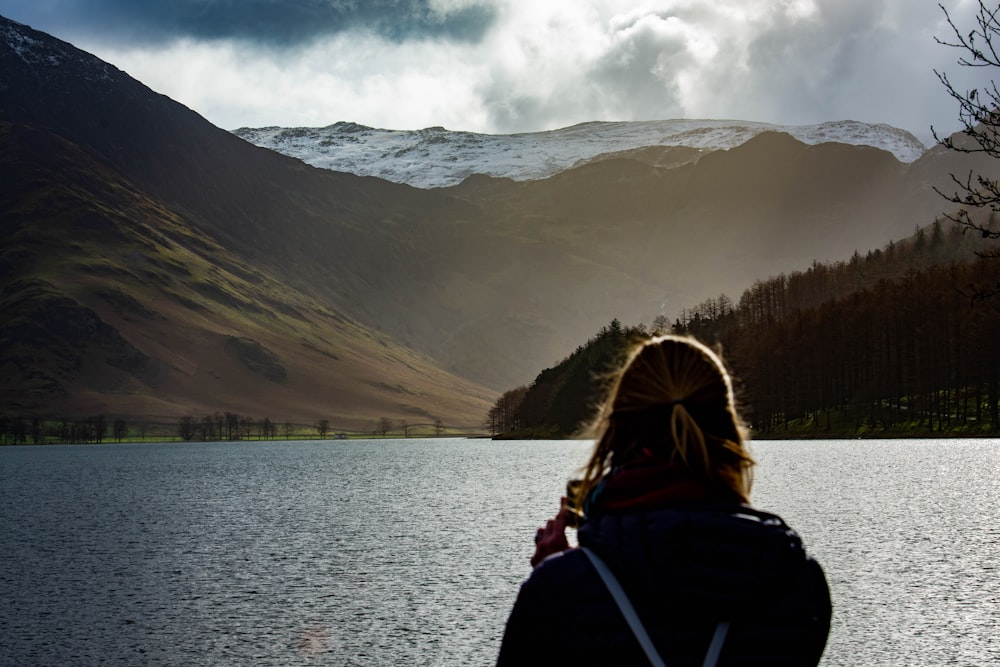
(899, 342)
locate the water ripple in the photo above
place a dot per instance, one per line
(411, 551)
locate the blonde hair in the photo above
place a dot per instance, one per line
(673, 399)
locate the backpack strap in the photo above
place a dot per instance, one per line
(638, 629)
(715, 648)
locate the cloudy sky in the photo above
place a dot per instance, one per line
(504, 66)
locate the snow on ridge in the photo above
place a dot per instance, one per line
(436, 157)
(41, 50)
(23, 45)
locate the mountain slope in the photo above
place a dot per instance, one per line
(768, 206)
(113, 303)
(436, 157)
(156, 293)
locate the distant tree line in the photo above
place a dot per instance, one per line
(384, 426)
(227, 426)
(22, 430)
(232, 426)
(897, 341)
(18, 430)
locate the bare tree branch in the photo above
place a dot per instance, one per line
(979, 113)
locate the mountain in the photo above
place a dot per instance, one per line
(436, 157)
(768, 206)
(152, 263)
(157, 265)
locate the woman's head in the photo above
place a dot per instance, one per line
(673, 401)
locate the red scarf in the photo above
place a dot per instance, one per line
(650, 483)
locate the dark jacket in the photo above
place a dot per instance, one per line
(684, 567)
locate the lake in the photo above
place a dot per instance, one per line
(410, 552)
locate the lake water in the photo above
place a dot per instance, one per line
(410, 552)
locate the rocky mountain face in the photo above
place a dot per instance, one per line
(155, 264)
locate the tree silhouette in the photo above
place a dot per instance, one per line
(563, 399)
(979, 112)
(120, 429)
(187, 429)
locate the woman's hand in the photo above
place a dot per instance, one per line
(551, 539)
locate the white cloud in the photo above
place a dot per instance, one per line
(543, 65)
(346, 78)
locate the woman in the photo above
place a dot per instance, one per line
(664, 503)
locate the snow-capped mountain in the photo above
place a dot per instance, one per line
(436, 157)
